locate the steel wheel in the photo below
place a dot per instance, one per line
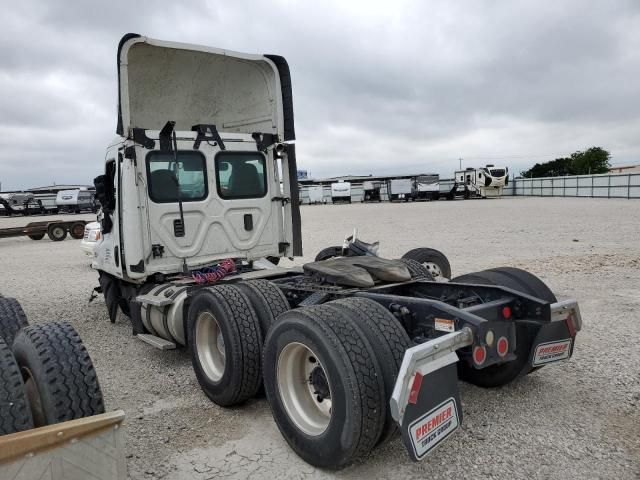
(304, 388)
(210, 346)
(434, 270)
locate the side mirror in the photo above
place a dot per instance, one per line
(100, 182)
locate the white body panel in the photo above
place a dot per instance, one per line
(428, 183)
(81, 198)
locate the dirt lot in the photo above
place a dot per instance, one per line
(580, 419)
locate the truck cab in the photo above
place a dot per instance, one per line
(203, 167)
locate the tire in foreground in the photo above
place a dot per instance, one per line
(15, 414)
(225, 344)
(389, 341)
(60, 380)
(12, 319)
(324, 385)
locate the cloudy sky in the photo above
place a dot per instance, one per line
(379, 87)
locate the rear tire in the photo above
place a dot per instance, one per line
(56, 233)
(329, 252)
(12, 319)
(61, 382)
(225, 343)
(15, 414)
(521, 281)
(434, 260)
(39, 236)
(389, 341)
(267, 300)
(324, 386)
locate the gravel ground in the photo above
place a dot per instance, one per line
(580, 419)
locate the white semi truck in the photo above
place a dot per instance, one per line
(200, 200)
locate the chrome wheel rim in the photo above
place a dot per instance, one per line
(210, 346)
(304, 388)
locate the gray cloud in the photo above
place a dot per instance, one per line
(395, 86)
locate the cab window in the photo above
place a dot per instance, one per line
(241, 175)
(169, 179)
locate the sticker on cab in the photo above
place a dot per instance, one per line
(433, 427)
(552, 352)
(444, 325)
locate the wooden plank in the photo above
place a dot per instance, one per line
(52, 436)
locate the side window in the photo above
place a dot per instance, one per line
(168, 179)
(241, 175)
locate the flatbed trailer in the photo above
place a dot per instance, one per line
(56, 230)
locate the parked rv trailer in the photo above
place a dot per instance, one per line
(400, 189)
(341, 192)
(74, 201)
(316, 194)
(19, 203)
(48, 202)
(426, 187)
(371, 191)
(482, 182)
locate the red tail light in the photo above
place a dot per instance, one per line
(479, 355)
(502, 346)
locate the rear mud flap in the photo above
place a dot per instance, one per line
(552, 343)
(433, 412)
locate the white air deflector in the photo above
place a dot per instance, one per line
(192, 84)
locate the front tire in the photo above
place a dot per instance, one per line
(225, 343)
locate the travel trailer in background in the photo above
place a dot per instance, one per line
(316, 194)
(19, 203)
(400, 189)
(341, 192)
(426, 187)
(480, 182)
(371, 191)
(74, 201)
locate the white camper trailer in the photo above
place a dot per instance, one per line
(482, 182)
(426, 187)
(316, 194)
(341, 192)
(371, 191)
(74, 201)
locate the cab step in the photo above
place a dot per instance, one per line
(157, 342)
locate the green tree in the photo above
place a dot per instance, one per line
(593, 160)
